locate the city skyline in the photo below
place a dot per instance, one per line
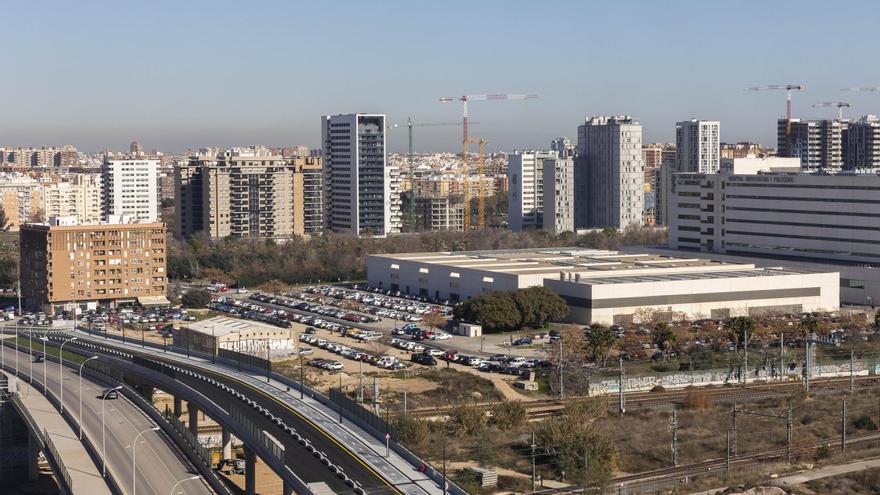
(269, 82)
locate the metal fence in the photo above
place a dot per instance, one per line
(46, 445)
(362, 413)
(244, 359)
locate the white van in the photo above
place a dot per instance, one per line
(516, 362)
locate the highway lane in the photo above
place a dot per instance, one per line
(361, 456)
(160, 465)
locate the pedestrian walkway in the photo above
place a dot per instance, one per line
(84, 474)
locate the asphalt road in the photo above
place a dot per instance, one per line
(160, 465)
(321, 429)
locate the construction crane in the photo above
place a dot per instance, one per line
(839, 104)
(871, 89)
(466, 142)
(788, 89)
(412, 174)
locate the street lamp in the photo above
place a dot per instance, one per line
(81, 394)
(45, 339)
(133, 455)
(61, 369)
(16, 349)
(181, 481)
(103, 430)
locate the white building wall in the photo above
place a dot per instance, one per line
(130, 188)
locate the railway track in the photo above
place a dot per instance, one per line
(541, 409)
(655, 480)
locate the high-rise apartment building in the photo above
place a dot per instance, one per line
(130, 189)
(21, 198)
(562, 145)
(361, 189)
(136, 149)
(558, 192)
(609, 173)
(698, 146)
(63, 265)
(248, 192)
(79, 197)
(818, 143)
(525, 196)
(863, 144)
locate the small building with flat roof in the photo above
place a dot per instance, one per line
(246, 336)
(609, 286)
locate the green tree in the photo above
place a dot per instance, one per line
(808, 326)
(663, 337)
(507, 414)
(273, 287)
(494, 310)
(877, 319)
(600, 340)
(196, 298)
(4, 221)
(538, 305)
(740, 329)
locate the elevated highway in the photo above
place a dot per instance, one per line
(300, 438)
(159, 462)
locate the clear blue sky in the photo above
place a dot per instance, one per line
(179, 74)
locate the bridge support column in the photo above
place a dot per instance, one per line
(193, 423)
(178, 408)
(33, 456)
(226, 442)
(250, 471)
(147, 392)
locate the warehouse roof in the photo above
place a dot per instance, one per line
(222, 325)
(555, 260)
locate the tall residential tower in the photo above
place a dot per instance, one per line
(361, 189)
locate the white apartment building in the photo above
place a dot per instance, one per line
(609, 173)
(361, 189)
(525, 196)
(79, 196)
(558, 202)
(130, 189)
(698, 146)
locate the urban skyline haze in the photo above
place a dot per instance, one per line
(101, 74)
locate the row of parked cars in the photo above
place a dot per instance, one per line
(402, 295)
(417, 333)
(388, 362)
(250, 311)
(381, 305)
(290, 301)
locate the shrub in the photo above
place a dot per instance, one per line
(196, 298)
(697, 399)
(508, 414)
(864, 422)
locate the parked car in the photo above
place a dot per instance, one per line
(423, 358)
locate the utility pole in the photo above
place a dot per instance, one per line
(843, 427)
(727, 462)
(781, 356)
(622, 399)
(533, 462)
(788, 425)
(674, 438)
(561, 383)
(733, 429)
(807, 370)
(746, 356)
(852, 376)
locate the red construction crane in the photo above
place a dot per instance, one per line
(465, 141)
(466, 98)
(838, 104)
(788, 89)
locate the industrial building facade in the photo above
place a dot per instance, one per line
(610, 287)
(86, 265)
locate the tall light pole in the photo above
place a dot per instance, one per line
(16, 349)
(181, 481)
(133, 456)
(45, 339)
(81, 394)
(103, 430)
(61, 370)
(31, 354)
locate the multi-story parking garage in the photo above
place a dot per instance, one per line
(607, 286)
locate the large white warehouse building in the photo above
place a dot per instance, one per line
(610, 287)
